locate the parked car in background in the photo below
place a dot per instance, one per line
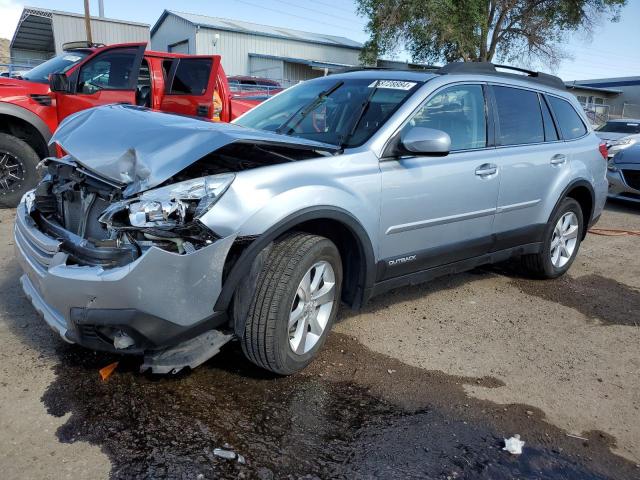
(13, 73)
(86, 76)
(623, 174)
(247, 85)
(619, 134)
(166, 236)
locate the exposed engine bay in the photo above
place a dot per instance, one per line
(100, 225)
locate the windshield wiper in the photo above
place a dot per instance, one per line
(304, 110)
(364, 106)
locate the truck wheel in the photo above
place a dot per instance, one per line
(562, 239)
(295, 303)
(17, 169)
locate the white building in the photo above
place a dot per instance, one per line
(41, 33)
(281, 54)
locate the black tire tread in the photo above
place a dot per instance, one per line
(534, 264)
(258, 341)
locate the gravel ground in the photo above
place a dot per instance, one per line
(423, 383)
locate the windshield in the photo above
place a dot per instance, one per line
(343, 112)
(60, 64)
(620, 127)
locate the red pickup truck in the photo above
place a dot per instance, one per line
(86, 76)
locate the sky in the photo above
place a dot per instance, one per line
(613, 51)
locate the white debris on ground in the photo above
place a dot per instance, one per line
(222, 453)
(228, 454)
(513, 445)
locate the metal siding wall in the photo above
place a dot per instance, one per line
(296, 72)
(71, 29)
(235, 49)
(266, 67)
(173, 30)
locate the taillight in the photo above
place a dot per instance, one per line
(603, 150)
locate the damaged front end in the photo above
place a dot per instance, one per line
(98, 226)
(134, 275)
(112, 240)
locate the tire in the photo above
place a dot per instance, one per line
(268, 341)
(541, 265)
(20, 175)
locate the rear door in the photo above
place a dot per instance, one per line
(109, 76)
(532, 161)
(190, 85)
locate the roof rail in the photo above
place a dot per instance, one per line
(425, 68)
(487, 68)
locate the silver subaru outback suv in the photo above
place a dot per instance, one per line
(168, 236)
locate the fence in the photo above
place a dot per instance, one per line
(601, 113)
(597, 113)
(11, 65)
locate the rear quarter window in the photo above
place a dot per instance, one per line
(570, 123)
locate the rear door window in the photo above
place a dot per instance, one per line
(519, 116)
(570, 123)
(191, 76)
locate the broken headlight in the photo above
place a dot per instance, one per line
(177, 203)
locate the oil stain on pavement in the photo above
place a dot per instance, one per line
(352, 414)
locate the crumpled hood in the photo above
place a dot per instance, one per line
(142, 148)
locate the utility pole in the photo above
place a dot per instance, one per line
(87, 21)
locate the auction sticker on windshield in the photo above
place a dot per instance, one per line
(393, 84)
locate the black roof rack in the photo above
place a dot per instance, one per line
(422, 68)
(487, 68)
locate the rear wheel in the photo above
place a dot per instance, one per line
(295, 303)
(18, 163)
(562, 238)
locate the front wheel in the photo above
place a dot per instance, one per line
(18, 163)
(562, 238)
(295, 303)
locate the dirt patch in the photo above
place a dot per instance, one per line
(352, 414)
(596, 297)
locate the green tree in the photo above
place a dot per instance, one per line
(480, 30)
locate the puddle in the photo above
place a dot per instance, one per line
(344, 417)
(597, 297)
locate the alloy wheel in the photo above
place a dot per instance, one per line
(564, 239)
(311, 308)
(11, 173)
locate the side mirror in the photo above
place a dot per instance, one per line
(425, 141)
(59, 82)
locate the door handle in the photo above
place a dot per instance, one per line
(558, 159)
(486, 169)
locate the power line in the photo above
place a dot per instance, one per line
(285, 13)
(315, 11)
(333, 6)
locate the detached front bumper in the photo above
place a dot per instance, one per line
(160, 300)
